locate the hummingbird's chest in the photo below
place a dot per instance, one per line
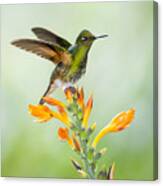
(74, 71)
(78, 64)
(76, 74)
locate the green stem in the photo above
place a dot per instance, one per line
(85, 160)
(77, 120)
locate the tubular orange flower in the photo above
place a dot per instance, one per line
(42, 112)
(63, 133)
(118, 123)
(87, 111)
(80, 99)
(54, 102)
(63, 117)
(69, 95)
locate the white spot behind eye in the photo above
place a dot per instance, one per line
(84, 38)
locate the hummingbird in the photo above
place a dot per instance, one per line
(70, 60)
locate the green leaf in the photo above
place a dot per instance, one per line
(97, 156)
(110, 174)
(80, 115)
(83, 134)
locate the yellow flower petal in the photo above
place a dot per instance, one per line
(70, 142)
(87, 111)
(76, 142)
(63, 117)
(118, 123)
(93, 126)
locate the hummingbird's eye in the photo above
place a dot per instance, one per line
(84, 38)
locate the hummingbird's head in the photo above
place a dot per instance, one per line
(87, 38)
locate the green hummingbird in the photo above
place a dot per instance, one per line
(70, 60)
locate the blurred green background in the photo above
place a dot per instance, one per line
(119, 73)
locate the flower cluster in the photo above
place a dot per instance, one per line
(74, 114)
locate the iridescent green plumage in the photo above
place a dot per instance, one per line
(70, 59)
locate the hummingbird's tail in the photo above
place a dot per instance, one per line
(48, 91)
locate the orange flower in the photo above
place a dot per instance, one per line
(122, 120)
(63, 117)
(63, 133)
(118, 123)
(80, 99)
(87, 111)
(61, 108)
(54, 102)
(69, 95)
(42, 112)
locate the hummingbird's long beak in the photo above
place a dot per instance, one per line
(102, 36)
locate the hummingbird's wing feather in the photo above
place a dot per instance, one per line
(46, 35)
(52, 52)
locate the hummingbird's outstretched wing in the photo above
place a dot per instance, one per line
(50, 37)
(52, 52)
